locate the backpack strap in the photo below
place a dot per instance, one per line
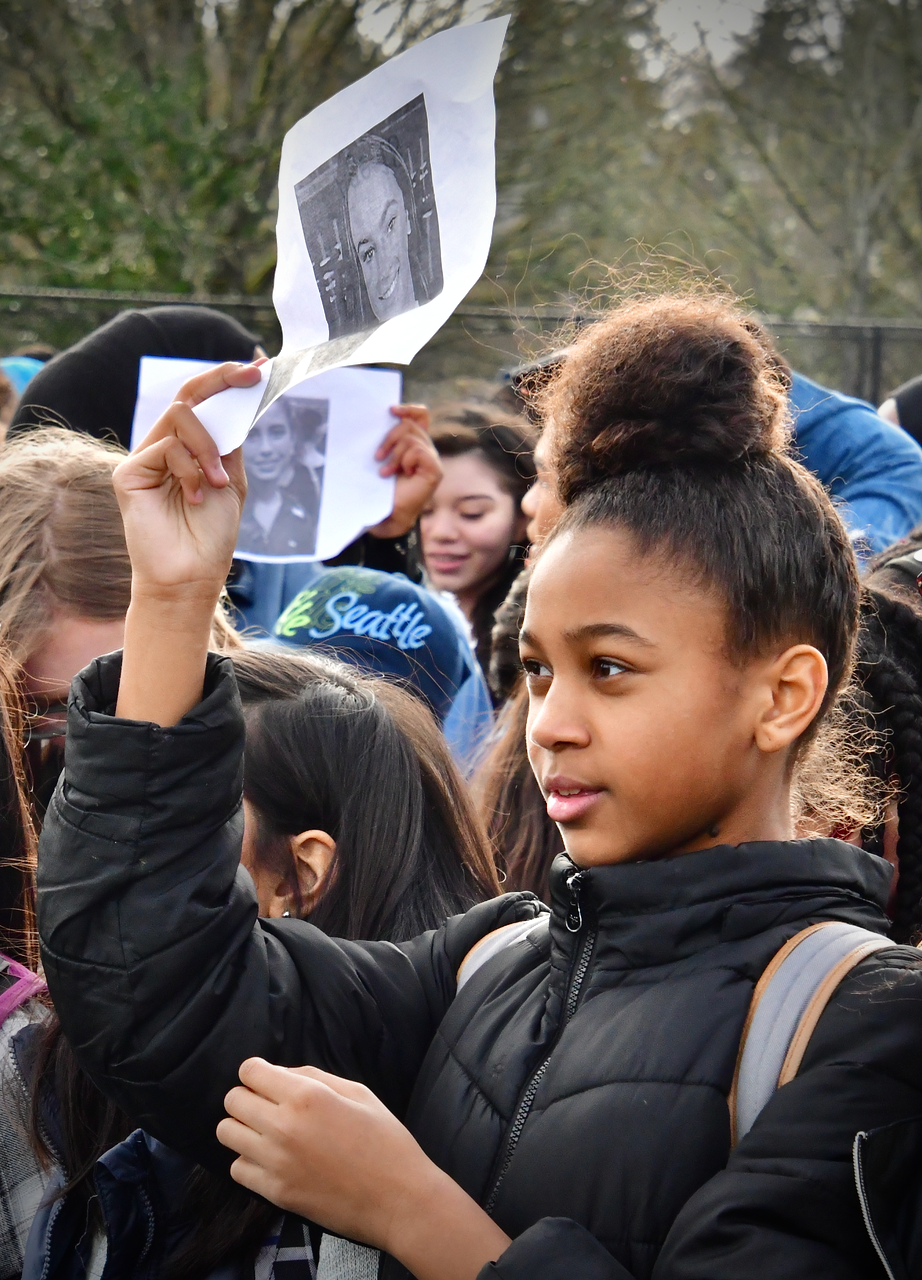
(491, 944)
(25, 984)
(785, 1008)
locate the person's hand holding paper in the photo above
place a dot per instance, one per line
(324, 463)
(408, 455)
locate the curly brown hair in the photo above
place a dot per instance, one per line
(670, 419)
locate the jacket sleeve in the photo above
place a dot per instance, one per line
(786, 1204)
(162, 975)
(873, 468)
(555, 1249)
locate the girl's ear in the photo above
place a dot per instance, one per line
(796, 684)
(313, 852)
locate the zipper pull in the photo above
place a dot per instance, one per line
(575, 915)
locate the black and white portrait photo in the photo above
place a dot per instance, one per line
(284, 456)
(371, 225)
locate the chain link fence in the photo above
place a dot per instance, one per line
(867, 358)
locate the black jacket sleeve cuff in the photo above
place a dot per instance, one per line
(555, 1249)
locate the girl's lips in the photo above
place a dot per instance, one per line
(569, 807)
(446, 564)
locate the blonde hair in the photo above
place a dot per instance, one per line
(62, 544)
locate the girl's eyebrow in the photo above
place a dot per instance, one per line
(595, 630)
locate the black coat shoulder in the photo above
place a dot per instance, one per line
(164, 978)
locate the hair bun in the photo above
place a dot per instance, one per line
(669, 381)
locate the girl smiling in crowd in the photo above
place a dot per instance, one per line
(560, 1110)
(473, 528)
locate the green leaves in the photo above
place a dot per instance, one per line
(139, 142)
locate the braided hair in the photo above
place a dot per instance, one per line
(889, 672)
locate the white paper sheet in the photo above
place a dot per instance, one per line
(228, 416)
(313, 478)
(387, 195)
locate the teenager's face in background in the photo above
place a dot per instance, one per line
(468, 526)
(640, 729)
(541, 504)
(379, 226)
(268, 450)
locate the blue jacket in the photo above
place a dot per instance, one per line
(873, 468)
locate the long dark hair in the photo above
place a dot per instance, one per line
(670, 420)
(525, 840)
(889, 674)
(364, 760)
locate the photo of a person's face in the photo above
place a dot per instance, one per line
(268, 451)
(378, 224)
(371, 228)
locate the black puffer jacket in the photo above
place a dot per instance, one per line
(577, 1085)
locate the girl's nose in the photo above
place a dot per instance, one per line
(442, 527)
(554, 723)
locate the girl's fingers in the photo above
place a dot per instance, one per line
(419, 413)
(277, 1084)
(209, 383)
(350, 1089)
(149, 468)
(393, 437)
(251, 1108)
(180, 422)
(395, 458)
(240, 1137)
(414, 420)
(252, 1176)
(183, 467)
(234, 469)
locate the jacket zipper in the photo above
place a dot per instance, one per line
(574, 924)
(865, 1207)
(43, 1128)
(27, 1093)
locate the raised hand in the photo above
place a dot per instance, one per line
(181, 505)
(180, 502)
(327, 1149)
(409, 454)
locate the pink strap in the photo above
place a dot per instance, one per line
(27, 984)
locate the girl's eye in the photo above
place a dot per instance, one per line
(536, 670)
(392, 223)
(368, 254)
(605, 668)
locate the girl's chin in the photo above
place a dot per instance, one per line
(449, 578)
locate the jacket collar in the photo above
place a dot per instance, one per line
(652, 913)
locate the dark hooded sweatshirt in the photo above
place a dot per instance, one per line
(576, 1087)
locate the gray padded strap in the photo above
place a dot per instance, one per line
(494, 943)
(783, 1004)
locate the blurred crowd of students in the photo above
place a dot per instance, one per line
(759, 751)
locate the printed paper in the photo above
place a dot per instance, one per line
(387, 195)
(313, 482)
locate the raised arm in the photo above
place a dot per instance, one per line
(163, 977)
(181, 505)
